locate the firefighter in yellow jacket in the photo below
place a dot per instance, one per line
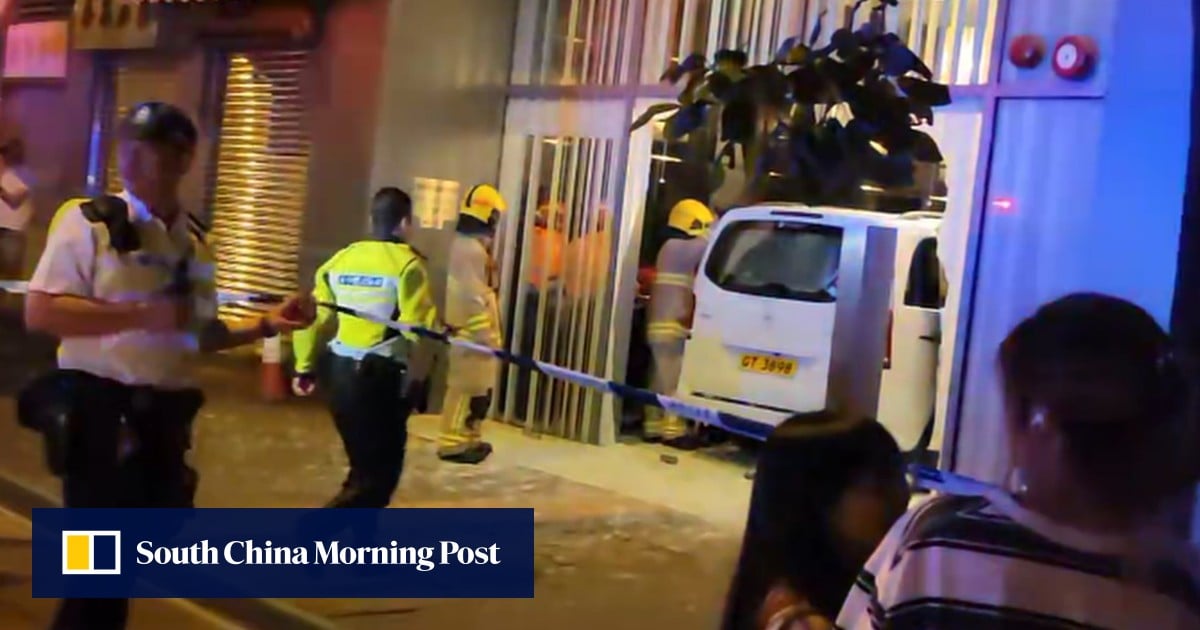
(670, 314)
(372, 369)
(473, 314)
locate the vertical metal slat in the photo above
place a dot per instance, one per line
(600, 287)
(536, 379)
(916, 34)
(687, 29)
(947, 59)
(514, 286)
(985, 35)
(932, 26)
(577, 232)
(656, 40)
(595, 283)
(716, 21)
(572, 37)
(551, 352)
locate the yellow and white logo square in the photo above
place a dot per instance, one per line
(91, 553)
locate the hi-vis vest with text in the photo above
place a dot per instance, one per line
(385, 279)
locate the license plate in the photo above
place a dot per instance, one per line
(774, 366)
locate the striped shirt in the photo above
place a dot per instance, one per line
(985, 563)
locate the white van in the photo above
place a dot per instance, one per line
(798, 307)
(908, 388)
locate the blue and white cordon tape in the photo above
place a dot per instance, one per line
(926, 477)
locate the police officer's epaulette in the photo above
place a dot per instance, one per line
(113, 213)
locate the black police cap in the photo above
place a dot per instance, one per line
(159, 123)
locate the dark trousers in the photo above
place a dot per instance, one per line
(125, 447)
(367, 400)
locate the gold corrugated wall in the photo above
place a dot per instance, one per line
(261, 183)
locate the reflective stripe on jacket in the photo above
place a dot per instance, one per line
(671, 299)
(471, 305)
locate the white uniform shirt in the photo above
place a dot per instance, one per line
(17, 218)
(78, 261)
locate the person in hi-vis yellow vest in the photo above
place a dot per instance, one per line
(473, 313)
(373, 371)
(670, 314)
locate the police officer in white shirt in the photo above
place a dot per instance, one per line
(126, 283)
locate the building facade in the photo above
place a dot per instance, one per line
(583, 70)
(1053, 184)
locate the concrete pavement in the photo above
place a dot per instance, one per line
(622, 539)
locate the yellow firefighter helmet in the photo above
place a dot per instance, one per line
(691, 217)
(483, 202)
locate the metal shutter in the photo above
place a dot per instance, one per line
(136, 82)
(261, 183)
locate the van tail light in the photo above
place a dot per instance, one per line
(887, 351)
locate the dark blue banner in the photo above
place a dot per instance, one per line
(229, 553)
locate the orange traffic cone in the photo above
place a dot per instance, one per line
(274, 381)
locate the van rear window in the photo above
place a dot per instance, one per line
(787, 260)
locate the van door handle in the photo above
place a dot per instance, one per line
(932, 338)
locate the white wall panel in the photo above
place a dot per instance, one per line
(1093, 189)
(957, 131)
(1033, 243)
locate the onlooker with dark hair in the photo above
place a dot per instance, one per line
(374, 373)
(826, 491)
(1100, 444)
(16, 209)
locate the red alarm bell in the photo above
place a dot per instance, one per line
(1075, 57)
(1027, 51)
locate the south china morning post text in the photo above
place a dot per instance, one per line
(224, 553)
(332, 552)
